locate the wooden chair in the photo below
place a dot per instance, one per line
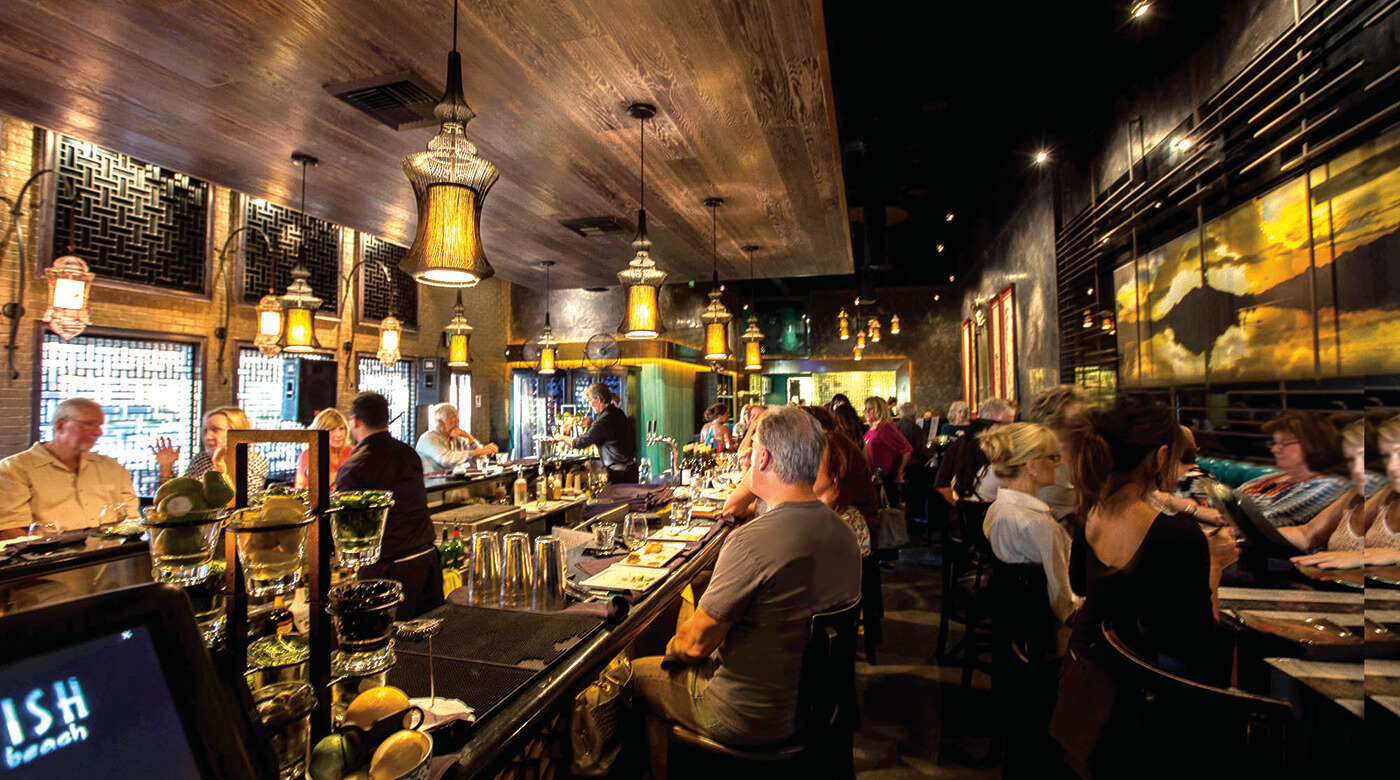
(826, 713)
(1179, 721)
(967, 561)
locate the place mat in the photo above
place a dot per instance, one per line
(481, 686)
(531, 640)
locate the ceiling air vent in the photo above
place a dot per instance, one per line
(594, 226)
(403, 101)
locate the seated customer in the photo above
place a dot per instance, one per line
(773, 573)
(215, 455)
(62, 483)
(1021, 527)
(381, 462)
(1307, 450)
(334, 422)
(1366, 533)
(963, 474)
(446, 445)
(1057, 408)
(716, 432)
(959, 418)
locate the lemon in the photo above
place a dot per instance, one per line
(329, 758)
(374, 705)
(399, 754)
(282, 509)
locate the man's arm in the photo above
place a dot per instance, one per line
(445, 457)
(596, 434)
(15, 495)
(696, 638)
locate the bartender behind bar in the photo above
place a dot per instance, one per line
(611, 431)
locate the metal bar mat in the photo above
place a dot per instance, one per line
(481, 686)
(526, 640)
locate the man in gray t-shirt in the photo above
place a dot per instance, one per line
(773, 574)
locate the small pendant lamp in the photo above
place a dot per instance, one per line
(459, 334)
(894, 324)
(874, 330)
(642, 278)
(843, 320)
(450, 183)
(716, 317)
(753, 337)
(300, 301)
(548, 347)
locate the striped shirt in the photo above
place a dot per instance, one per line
(1286, 501)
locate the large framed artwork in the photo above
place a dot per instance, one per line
(969, 368)
(1301, 282)
(1001, 319)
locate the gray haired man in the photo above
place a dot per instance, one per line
(731, 671)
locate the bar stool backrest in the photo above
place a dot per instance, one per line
(826, 693)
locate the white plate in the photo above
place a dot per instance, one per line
(671, 532)
(660, 553)
(619, 577)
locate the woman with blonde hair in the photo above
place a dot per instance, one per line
(326, 420)
(215, 455)
(1019, 525)
(885, 447)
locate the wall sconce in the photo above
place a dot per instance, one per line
(389, 331)
(221, 332)
(894, 324)
(457, 335)
(14, 310)
(67, 311)
(390, 328)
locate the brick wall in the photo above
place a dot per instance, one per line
(156, 312)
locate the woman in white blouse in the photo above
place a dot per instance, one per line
(1019, 525)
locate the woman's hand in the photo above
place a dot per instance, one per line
(1224, 550)
(166, 454)
(1381, 556)
(1331, 559)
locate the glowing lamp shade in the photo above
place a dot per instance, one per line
(300, 303)
(753, 346)
(860, 340)
(67, 310)
(874, 331)
(716, 319)
(269, 326)
(389, 332)
(844, 322)
(894, 325)
(450, 183)
(459, 335)
(642, 320)
(858, 351)
(447, 249)
(548, 351)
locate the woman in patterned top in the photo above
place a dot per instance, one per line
(1369, 536)
(1308, 452)
(215, 456)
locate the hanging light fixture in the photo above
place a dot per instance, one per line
(843, 321)
(389, 331)
(716, 317)
(300, 301)
(69, 282)
(858, 350)
(459, 335)
(894, 324)
(642, 278)
(874, 330)
(548, 347)
(753, 337)
(1088, 319)
(450, 183)
(860, 339)
(1107, 323)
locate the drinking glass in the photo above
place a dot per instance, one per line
(485, 563)
(363, 616)
(209, 599)
(357, 526)
(44, 528)
(111, 516)
(634, 530)
(273, 554)
(517, 576)
(549, 574)
(604, 536)
(182, 546)
(285, 711)
(680, 512)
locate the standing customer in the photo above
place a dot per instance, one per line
(334, 422)
(215, 455)
(62, 483)
(1152, 576)
(918, 478)
(611, 431)
(381, 462)
(732, 670)
(885, 447)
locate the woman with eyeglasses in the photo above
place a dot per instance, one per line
(1020, 527)
(1307, 449)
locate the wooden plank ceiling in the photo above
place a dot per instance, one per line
(225, 90)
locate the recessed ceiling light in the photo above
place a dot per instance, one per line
(1041, 156)
(939, 248)
(1140, 9)
(949, 217)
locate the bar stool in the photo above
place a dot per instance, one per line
(966, 573)
(826, 708)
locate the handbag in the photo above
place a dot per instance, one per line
(595, 724)
(891, 531)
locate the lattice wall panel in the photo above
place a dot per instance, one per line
(131, 221)
(380, 299)
(293, 235)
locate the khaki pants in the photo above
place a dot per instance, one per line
(675, 694)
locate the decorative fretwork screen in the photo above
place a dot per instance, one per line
(396, 384)
(380, 299)
(294, 236)
(261, 386)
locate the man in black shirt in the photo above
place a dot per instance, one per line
(611, 431)
(381, 462)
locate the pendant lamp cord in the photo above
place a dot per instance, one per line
(642, 177)
(714, 243)
(455, 4)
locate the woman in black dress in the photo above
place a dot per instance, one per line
(1152, 577)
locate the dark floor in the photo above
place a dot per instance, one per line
(916, 719)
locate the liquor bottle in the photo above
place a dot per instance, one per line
(458, 549)
(445, 551)
(541, 486)
(521, 489)
(280, 617)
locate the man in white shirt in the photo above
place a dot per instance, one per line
(447, 445)
(61, 481)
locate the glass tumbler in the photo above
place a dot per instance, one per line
(604, 536)
(285, 711)
(485, 569)
(549, 574)
(517, 574)
(273, 554)
(357, 526)
(182, 546)
(363, 616)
